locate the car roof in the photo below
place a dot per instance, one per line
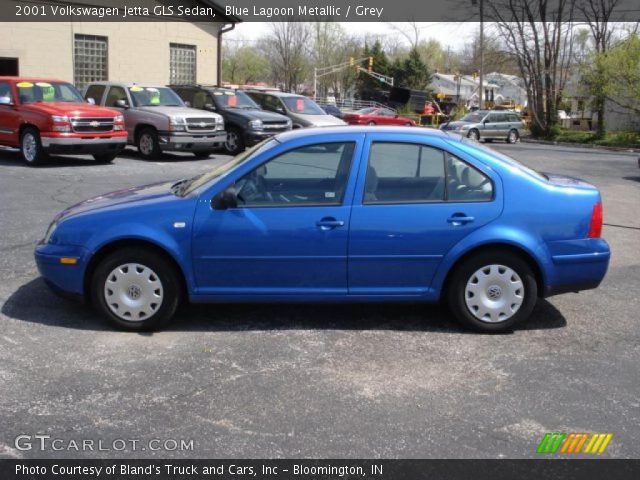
(425, 132)
(127, 84)
(31, 79)
(276, 94)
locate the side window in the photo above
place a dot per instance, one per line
(186, 94)
(404, 172)
(5, 93)
(273, 103)
(200, 99)
(310, 175)
(115, 94)
(95, 92)
(513, 117)
(465, 183)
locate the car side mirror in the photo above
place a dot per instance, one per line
(209, 106)
(5, 101)
(187, 103)
(228, 198)
(91, 101)
(122, 103)
(485, 121)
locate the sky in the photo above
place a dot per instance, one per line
(453, 34)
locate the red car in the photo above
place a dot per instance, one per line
(42, 116)
(377, 116)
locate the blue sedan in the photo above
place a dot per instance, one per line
(350, 214)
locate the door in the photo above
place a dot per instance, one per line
(412, 204)
(289, 232)
(114, 94)
(9, 118)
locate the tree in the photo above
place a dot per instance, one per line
(367, 84)
(286, 48)
(333, 46)
(413, 72)
(621, 66)
(244, 65)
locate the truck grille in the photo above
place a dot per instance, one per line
(201, 124)
(274, 126)
(84, 125)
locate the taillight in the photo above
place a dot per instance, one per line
(595, 227)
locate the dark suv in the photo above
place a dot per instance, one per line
(246, 123)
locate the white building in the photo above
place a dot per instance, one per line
(450, 88)
(510, 89)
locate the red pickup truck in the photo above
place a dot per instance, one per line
(42, 116)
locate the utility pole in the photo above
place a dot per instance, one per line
(481, 88)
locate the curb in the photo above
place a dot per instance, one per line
(581, 145)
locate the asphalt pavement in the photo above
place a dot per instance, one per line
(327, 381)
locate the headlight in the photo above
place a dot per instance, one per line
(289, 123)
(60, 123)
(255, 124)
(177, 124)
(50, 232)
(60, 118)
(118, 122)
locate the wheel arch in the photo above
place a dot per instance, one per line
(140, 127)
(517, 250)
(107, 249)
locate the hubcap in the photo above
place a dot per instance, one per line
(133, 292)
(494, 293)
(473, 135)
(232, 141)
(512, 137)
(146, 144)
(29, 147)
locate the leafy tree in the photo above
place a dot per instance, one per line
(413, 72)
(244, 65)
(366, 83)
(620, 65)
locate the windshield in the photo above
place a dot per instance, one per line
(230, 99)
(474, 117)
(154, 97)
(368, 110)
(48, 92)
(302, 105)
(505, 158)
(185, 187)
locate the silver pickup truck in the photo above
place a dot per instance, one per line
(157, 119)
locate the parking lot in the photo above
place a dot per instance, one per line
(331, 381)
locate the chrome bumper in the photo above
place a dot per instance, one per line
(71, 141)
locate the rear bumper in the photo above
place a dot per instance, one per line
(577, 265)
(178, 141)
(79, 145)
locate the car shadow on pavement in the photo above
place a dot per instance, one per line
(34, 302)
(13, 159)
(132, 154)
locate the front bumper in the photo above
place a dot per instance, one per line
(64, 278)
(88, 145)
(190, 142)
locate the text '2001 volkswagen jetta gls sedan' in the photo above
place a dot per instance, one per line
(336, 214)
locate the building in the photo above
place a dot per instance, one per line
(156, 52)
(511, 89)
(462, 89)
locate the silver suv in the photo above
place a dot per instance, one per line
(157, 119)
(488, 125)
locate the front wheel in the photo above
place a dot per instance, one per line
(492, 291)
(474, 134)
(148, 144)
(513, 136)
(136, 289)
(31, 147)
(371, 123)
(235, 143)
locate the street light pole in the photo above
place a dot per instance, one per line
(315, 82)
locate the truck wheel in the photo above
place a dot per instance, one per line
(235, 143)
(148, 144)
(31, 147)
(474, 134)
(104, 157)
(136, 289)
(492, 291)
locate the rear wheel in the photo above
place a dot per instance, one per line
(492, 291)
(235, 143)
(31, 147)
(105, 157)
(474, 134)
(371, 123)
(513, 136)
(408, 124)
(148, 144)
(136, 289)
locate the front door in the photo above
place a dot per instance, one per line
(290, 230)
(9, 118)
(416, 202)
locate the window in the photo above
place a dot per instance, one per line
(302, 105)
(273, 103)
(404, 172)
(513, 117)
(412, 173)
(115, 94)
(48, 92)
(310, 175)
(182, 64)
(95, 92)
(5, 93)
(90, 55)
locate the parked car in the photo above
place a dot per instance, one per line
(377, 116)
(302, 111)
(333, 110)
(43, 116)
(157, 120)
(347, 214)
(246, 123)
(488, 125)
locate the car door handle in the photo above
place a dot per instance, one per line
(458, 219)
(329, 223)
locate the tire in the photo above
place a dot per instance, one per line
(474, 134)
(104, 157)
(140, 284)
(148, 144)
(235, 141)
(31, 147)
(202, 154)
(408, 124)
(371, 123)
(513, 136)
(498, 302)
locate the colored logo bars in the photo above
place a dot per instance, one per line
(593, 443)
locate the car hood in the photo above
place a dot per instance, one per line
(255, 114)
(147, 193)
(72, 109)
(179, 111)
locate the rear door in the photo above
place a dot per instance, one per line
(413, 202)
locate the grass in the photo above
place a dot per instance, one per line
(611, 139)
